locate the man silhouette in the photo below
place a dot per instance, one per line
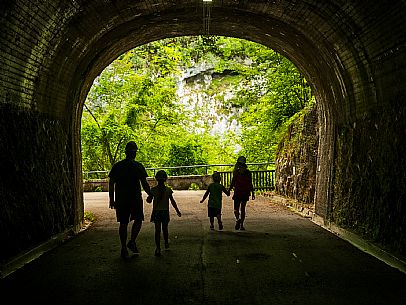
(125, 180)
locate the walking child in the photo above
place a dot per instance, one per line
(243, 187)
(161, 195)
(215, 191)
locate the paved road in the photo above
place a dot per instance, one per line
(282, 258)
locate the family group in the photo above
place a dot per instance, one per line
(126, 178)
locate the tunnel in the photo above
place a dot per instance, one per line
(352, 53)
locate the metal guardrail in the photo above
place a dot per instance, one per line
(263, 180)
(151, 171)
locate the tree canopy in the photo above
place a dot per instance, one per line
(191, 100)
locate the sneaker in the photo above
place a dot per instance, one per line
(157, 252)
(237, 224)
(167, 246)
(242, 228)
(124, 253)
(220, 226)
(211, 227)
(133, 247)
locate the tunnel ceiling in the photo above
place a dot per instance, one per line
(64, 45)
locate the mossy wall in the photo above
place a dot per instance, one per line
(36, 196)
(369, 186)
(296, 158)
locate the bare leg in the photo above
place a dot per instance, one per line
(237, 214)
(165, 232)
(243, 205)
(158, 235)
(135, 229)
(122, 231)
(211, 223)
(220, 222)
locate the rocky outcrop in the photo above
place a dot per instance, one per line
(296, 158)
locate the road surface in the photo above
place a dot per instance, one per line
(281, 258)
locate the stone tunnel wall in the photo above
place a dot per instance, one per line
(297, 157)
(369, 182)
(370, 178)
(36, 181)
(351, 52)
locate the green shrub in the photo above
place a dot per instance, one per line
(194, 187)
(89, 216)
(98, 189)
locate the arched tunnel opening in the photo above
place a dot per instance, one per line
(349, 53)
(218, 98)
(279, 43)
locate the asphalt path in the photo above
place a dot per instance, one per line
(281, 258)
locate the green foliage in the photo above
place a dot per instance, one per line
(194, 187)
(136, 98)
(89, 216)
(279, 91)
(98, 189)
(186, 154)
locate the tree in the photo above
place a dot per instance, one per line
(244, 94)
(186, 154)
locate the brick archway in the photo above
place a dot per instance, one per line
(51, 53)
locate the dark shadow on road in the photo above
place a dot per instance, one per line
(280, 259)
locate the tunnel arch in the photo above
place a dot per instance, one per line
(315, 58)
(347, 50)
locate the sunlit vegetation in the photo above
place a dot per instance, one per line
(191, 100)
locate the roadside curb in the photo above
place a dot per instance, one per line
(364, 245)
(31, 255)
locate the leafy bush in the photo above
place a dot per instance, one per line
(89, 216)
(186, 154)
(194, 187)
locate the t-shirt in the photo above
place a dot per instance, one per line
(215, 195)
(127, 174)
(242, 183)
(161, 201)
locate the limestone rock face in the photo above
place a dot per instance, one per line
(297, 157)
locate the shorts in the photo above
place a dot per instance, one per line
(239, 202)
(127, 212)
(241, 197)
(213, 212)
(160, 216)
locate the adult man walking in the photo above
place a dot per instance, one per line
(125, 180)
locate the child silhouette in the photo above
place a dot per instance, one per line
(215, 191)
(161, 195)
